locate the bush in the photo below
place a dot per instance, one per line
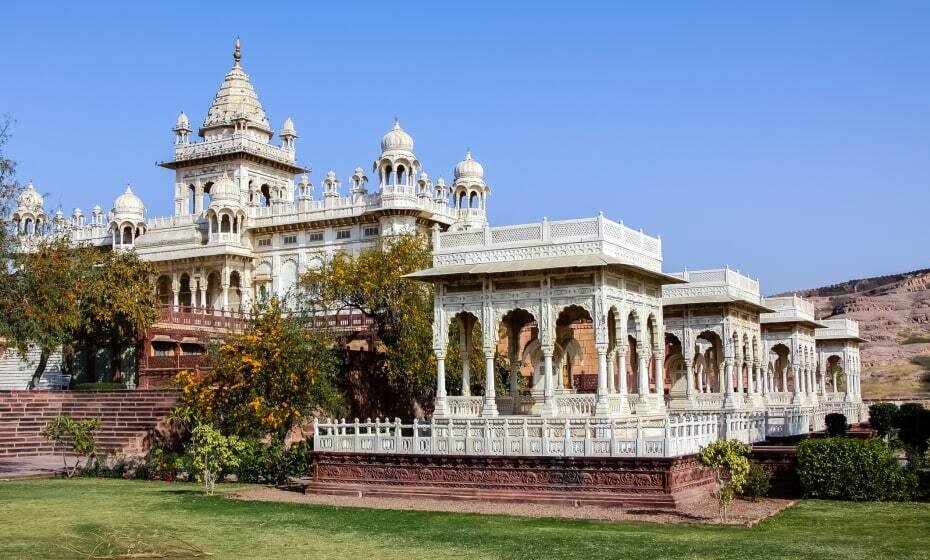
(883, 417)
(836, 424)
(729, 461)
(211, 453)
(852, 469)
(272, 464)
(913, 423)
(77, 435)
(99, 386)
(758, 482)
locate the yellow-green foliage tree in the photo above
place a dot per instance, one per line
(372, 284)
(117, 303)
(265, 381)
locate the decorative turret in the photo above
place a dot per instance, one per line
(359, 181)
(236, 108)
(182, 130)
(470, 192)
(305, 188)
(442, 192)
(288, 134)
(424, 185)
(29, 216)
(397, 165)
(225, 215)
(127, 219)
(330, 185)
(77, 218)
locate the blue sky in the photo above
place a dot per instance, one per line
(787, 139)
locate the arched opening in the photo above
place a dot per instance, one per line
(780, 365)
(206, 195)
(214, 291)
(473, 201)
(388, 174)
(191, 194)
(517, 330)
(401, 175)
(835, 374)
(127, 235)
(633, 351)
(461, 200)
(674, 373)
(214, 226)
(265, 192)
(163, 291)
(184, 292)
(225, 224)
(652, 334)
(574, 331)
(235, 291)
(708, 362)
(464, 355)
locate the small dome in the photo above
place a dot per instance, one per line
(397, 139)
(359, 171)
(423, 176)
(469, 168)
(224, 191)
(97, 209)
(30, 199)
(440, 183)
(76, 213)
(288, 128)
(127, 203)
(330, 174)
(304, 179)
(59, 213)
(183, 122)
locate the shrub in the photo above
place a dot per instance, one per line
(758, 482)
(211, 452)
(883, 417)
(78, 435)
(728, 459)
(913, 423)
(836, 424)
(272, 464)
(852, 469)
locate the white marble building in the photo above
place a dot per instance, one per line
(692, 354)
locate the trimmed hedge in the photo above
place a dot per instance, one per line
(836, 424)
(883, 417)
(853, 469)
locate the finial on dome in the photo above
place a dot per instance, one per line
(467, 153)
(128, 188)
(396, 122)
(237, 53)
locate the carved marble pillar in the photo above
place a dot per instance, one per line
(728, 378)
(465, 327)
(489, 406)
(442, 408)
(621, 372)
(689, 378)
(659, 374)
(602, 407)
(611, 372)
(548, 408)
(643, 373)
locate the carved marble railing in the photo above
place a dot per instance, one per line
(574, 405)
(464, 407)
(779, 398)
(712, 282)
(709, 400)
(679, 434)
(646, 250)
(233, 144)
(788, 308)
(838, 328)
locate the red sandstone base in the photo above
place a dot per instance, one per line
(614, 482)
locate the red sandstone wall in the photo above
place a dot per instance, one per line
(130, 420)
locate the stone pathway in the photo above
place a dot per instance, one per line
(742, 512)
(30, 467)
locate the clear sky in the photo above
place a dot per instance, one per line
(790, 140)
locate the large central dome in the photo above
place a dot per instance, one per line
(236, 100)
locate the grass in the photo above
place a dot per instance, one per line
(50, 518)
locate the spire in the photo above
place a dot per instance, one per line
(237, 53)
(236, 102)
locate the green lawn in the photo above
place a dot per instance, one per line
(41, 518)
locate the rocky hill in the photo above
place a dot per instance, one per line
(894, 316)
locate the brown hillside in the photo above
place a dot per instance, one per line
(894, 316)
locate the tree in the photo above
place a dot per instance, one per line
(372, 283)
(117, 304)
(266, 381)
(40, 299)
(883, 418)
(78, 435)
(211, 452)
(730, 463)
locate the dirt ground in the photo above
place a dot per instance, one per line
(742, 512)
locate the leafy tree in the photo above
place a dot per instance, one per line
(730, 463)
(79, 436)
(883, 417)
(40, 299)
(266, 381)
(836, 424)
(913, 423)
(117, 304)
(372, 283)
(211, 452)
